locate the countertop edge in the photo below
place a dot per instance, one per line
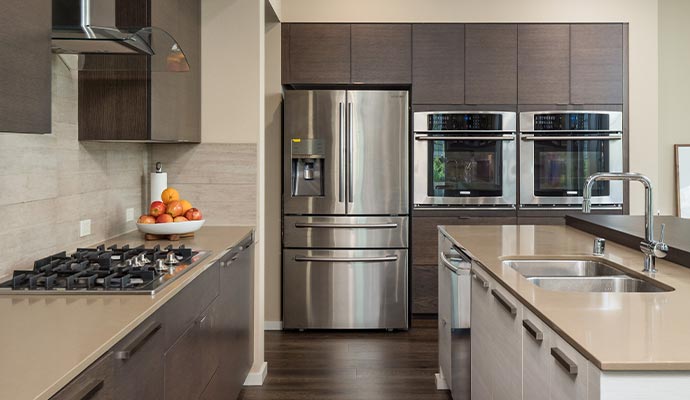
(165, 295)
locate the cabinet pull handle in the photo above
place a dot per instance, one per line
(533, 330)
(89, 390)
(484, 283)
(510, 307)
(202, 320)
(568, 365)
(136, 344)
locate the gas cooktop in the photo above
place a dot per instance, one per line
(101, 270)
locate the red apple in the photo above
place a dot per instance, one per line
(157, 208)
(193, 214)
(164, 219)
(146, 219)
(175, 208)
(180, 219)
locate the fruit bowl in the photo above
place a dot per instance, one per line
(171, 228)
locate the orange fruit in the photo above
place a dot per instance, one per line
(169, 194)
(185, 206)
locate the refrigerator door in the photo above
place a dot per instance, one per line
(378, 153)
(345, 289)
(314, 152)
(345, 232)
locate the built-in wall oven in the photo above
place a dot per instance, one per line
(464, 159)
(560, 149)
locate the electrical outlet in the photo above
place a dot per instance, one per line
(84, 227)
(130, 215)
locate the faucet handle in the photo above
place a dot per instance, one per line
(663, 232)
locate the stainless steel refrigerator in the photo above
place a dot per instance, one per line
(345, 209)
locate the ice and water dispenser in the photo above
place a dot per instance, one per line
(308, 156)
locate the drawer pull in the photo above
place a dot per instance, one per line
(89, 390)
(568, 365)
(533, 330)
(510, 307)
(484, 282)
(136, 344)
(344, 226)
(346, 259)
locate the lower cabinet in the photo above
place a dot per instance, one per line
(199, 345)
(515, 355)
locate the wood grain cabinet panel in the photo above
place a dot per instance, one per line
(95, 383)
(596, 53)
(438, 64)
(491, 63)
(543, 64)
(382, 53)
(25, 70)
(318, 53)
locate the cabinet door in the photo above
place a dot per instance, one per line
(505, 323)
(25, 70)
(567, 371)
(482, 341)
(596, 70)
(536, 337)
(543, 64)
(318, 53)
(381, 53)
(234, 324)
(491, 64)
(192, 361)
(139, 362)
(96, 383)
(438, 64)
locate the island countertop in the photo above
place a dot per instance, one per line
(615, 331)
(85, 327)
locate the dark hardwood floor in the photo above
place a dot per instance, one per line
(344, 365)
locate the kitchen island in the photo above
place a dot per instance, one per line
(626, 345)
(48, 340)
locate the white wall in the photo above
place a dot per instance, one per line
(641, 14)
(231, 96)
(674, 92)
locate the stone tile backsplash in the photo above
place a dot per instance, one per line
(48, 183)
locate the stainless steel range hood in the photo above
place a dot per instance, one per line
(91, 27)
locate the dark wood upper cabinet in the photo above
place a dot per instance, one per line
(491, 64)
(438, 64)
(543, 64)
(317, 53)
(124, 100)
(25, 69)
(596, 53)
(381, 53)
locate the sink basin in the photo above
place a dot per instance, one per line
(615, 284)
(574, 268)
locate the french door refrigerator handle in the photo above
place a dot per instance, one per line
(350, 150)
(346, 259)
(341, 186)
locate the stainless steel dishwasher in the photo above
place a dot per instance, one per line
(454, 317)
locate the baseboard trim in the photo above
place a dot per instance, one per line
(441, 383)
(273, 325)
(256, 378)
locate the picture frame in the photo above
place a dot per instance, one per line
(682, 157)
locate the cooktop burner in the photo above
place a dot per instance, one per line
(118, 270)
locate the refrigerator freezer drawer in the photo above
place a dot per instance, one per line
(346, 232)
(345, 289)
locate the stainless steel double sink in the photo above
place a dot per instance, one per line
(583, 275)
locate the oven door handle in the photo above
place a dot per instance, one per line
(465, 138)
(538, 138)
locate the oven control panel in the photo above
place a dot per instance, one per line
(571, 122)
(465, 122)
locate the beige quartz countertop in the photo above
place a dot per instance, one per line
(47, 340)
(615, 331)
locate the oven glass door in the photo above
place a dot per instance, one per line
(462, 168)
(561, 166)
